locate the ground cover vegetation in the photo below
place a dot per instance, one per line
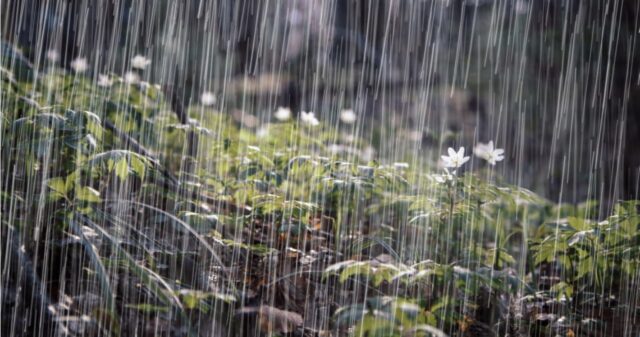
(122, 215)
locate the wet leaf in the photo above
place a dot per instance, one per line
(88, 194)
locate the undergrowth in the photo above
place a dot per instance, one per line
(122, 217)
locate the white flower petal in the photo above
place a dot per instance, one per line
(452, 152)
(348, 116)
(80, 65)
(282, 114)
(131, 77)
(208, 98)
(140, 62)
(455, 159)
(309, 118)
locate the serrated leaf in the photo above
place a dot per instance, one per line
(138, 166)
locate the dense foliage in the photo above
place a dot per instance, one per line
(118, 218)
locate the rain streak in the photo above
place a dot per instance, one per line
(320, 168)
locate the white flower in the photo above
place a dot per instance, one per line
(140, 62)
(489, 153)
(80, 65)
(52, 55)
(348, 116)
(131, 77)
(481, 149)
(104, 81)
(309, 118)
(455, 159)
(208, 98)
(282, 114)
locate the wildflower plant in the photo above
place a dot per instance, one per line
(455, 159)
(389, 248)
(489, 153)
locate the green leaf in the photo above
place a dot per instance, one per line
(334, 268)
(58, 187)
(585, 267)
(346, 316)
(358, 268)
(195, 299)
(122, 168)
(190, 299)
(579, 237)
(562, 288)
(385, 272)
(71, 181)
(138, 166)
(88, 194)
(578, 224)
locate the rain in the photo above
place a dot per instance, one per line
(320, 168)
